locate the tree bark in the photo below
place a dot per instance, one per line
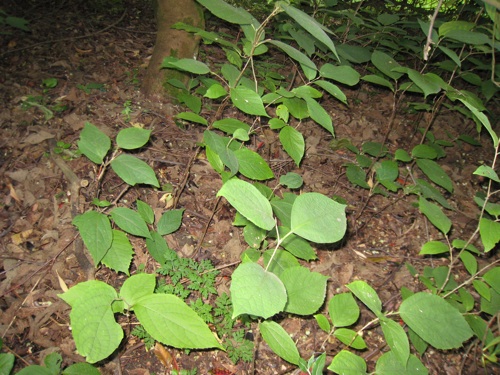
(171, 42)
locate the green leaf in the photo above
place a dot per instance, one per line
(343, 74)
(492, 277)
(145, 211)
(158, 248)
(216, 91)
(249, 202)
(468, 37)
(425, 82)
(468, 102)
(192, 117)
(433, 248)
(372, 78)
(397, 340)
(282, 208)
(252, 165)
(217, 147)
(446, 27)
(319, 114)
(488, 172)
(93, 143)
(247, 101)
(230, 125)
(130, 221)
(343, 310)
(375, 149)
(435, 215)
(170, 221)
(294, 54)
(137, 286)
(312, 26)
(332, 89)
(318, 218)
(389, 364)
(132, 138)
(291, 180)
(227, 12)
(293, 143)
(97, 335)
(7, 363)
(306, 290)
(35, 370)
(435, 321)
(435, 173)
(281, 261)
(423, 152)
(134, 171)
(469, 262)
(188, 65)
(356, 176)
(347, 363)
(170, 321)
(119, 256)
(53, 362)
(430, 192)
(279, 341)
(96, 233)
(323, 322)
(297, 107)
(367, 295)
(385, 64)
(81, 368)
(255, 291)
(350, 338)
(489, 231)
(296, 245)
(402, 155)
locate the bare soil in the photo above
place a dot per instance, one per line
(81, 45)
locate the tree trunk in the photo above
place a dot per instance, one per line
(171, 42)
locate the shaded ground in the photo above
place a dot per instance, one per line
(35, 218)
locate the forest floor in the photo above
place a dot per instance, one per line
(98, 69)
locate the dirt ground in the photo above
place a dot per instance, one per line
(80, 45)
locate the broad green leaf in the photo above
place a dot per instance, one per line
(367, 295)
(281, 261)
(279, 341)
(332, 89)
(353, 53)
(130, 221)
(218, 152)
(430, 192)
(396, 338)
(297, 107)
(312, 26)
(95, 230)
(375, 149)
(170, 321)
(297, 245)
(385, 64)
(247, 101)
(435, 215)
(80, 369)
(255, 291)
(387, 19)
(492, 277)
(481, 117)
(7, 363)
(356, 175)
(372, 78)
(158, 248)
(216, 91)
(489, 231)
(241, 135)
(136, 287)
(350, 338)
(254, 235)
(343, 310)
(435, 321)
(434, 248)
(53, 362)
(94, 328)
(424, 82)
(435, 173)
(132, 138)
(306, 290)
(323, 322)
(188, 65)
(134, 171)
(252, 165)
(119, 256)
(488, 172)
(293, 143)
(468, 37)
(347, 363)
(452, 55)
(423, 152)
(319, 114)
(282, 208)
(340, 73)
(34, 370)
(291, 180)
(145, 211)
(402, 155)
(93, 143)
(389, 364)
(306, 91)
(192, 117)
(227, 12)
(294, 54)
(230, 125)
(446, 27)
(170, 221)
(386, 173)
(318, 218)
(249, 202)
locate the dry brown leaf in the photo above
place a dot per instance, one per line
(13, 194)
(163, 355)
